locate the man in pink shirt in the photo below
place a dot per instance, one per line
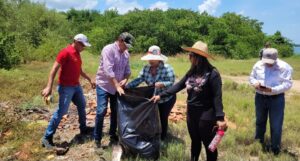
(112, 75)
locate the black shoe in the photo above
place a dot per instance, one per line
(266, 147)
(114, 139)
(98, 148)
(276, 151)
(48, 143)
(86, 131)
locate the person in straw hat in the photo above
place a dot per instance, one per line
(161, 75)
(204, 101)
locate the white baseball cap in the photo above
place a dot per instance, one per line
(269, 55)
(83, 39)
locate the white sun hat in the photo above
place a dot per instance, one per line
(154, 53)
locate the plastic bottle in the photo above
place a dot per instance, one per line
(217, 139)
(48, 99)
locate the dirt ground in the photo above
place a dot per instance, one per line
(73, 146)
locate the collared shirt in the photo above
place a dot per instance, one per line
(278, 77)
(70, 66)
(165, 74)
(113, 64)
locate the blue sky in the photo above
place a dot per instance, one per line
(282, 15)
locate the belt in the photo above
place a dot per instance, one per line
(270, 96)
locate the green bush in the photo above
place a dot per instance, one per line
(9, 57)
(30, 31)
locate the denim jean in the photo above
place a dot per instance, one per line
(102, 102)
(272, 106)
(66, 95)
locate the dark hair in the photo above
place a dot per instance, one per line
(201, 67)
(268, 44)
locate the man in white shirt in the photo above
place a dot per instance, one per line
(271, 77)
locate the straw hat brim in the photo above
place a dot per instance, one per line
(197, 51)
(155, 57)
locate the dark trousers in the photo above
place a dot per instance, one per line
(164, 111)
(272, 106)
(201, 131)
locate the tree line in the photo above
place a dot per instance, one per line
(30, 31)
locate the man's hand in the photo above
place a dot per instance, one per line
(159, 85)
(93, 84)
(257, 86)
(46, 91)
(267, 89)
(222, 125)
(155, 98)
(123, 82)
(120, 90)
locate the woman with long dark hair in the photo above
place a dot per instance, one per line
(204, 100)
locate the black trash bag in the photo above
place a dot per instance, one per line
(139, 123)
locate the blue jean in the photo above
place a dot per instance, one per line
(102, 101)
(66, 95)
(274, 107)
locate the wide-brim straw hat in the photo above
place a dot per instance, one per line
(199, 48)
(154, 53)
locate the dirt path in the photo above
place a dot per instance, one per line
(245, 80)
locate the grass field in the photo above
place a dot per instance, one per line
(20, 88)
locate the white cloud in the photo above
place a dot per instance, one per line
(123, 6)
(242, 12)
(159, 5)
(209, 6)
(64, 5)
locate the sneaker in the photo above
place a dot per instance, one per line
(98, 148)
(48, 143)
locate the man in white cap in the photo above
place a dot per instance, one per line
(68, 62)
(270, 77)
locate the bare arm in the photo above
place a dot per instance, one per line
(85, 76)
(116, 84)
(48, 89)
